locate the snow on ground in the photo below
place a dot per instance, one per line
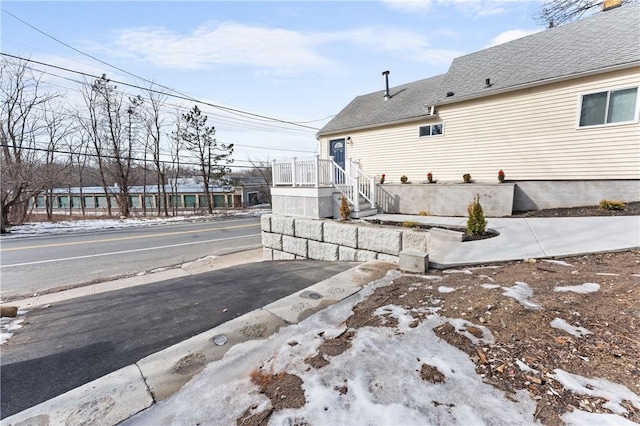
(582, 288)
(9, 325)
(375, 381)
(557, 262)
(67, 226)
(381, 372)
(521, 292)
(563, 325)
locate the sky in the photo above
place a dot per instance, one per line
(297, 62)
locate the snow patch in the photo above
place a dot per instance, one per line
(607, 274)
(557, 262)
(8, 325)
(490, 286)
(600, 388)
(521, 292)
(462, 326)
(561, 324)
(582, 288)
(445, 289)
(525, 368)
(457, 271)
(581, 418)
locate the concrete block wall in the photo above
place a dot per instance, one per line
(289, 238)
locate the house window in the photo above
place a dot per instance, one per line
(612, 106)
(431, 130)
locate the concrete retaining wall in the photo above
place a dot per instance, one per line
(537, 195)
(451, 199)
(288, 238)
(445, 199)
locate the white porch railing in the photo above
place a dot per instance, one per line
(318, 172)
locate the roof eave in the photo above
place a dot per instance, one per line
(542, 82)
(484, 95)
(373, 126)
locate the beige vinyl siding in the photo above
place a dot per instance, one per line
(530, 134)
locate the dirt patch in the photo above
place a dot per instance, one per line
(284, 390)
(431, 373)
(520, 323)
(631, 209)
(490, 233)
(331, 347)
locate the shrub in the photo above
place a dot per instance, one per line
(476, 224)
(345, 210)
(424, 213)
(612, 205)
(404, 179)
(466, 177)
(410, 224)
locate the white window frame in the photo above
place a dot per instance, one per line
(608, 91)
(431, 135)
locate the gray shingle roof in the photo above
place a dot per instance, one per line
(608, 39)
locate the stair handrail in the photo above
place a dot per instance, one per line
(365, 184)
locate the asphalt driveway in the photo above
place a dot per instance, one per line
(68, 344)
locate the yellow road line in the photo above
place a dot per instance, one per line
(106, 240)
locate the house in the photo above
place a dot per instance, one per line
(557, 111)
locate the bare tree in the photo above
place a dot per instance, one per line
(155, 125)
(262, 177)
(198, 139)
(21, 126)
(558, 12)
(91, 124)
(111, 129)
(57, 127)
(175, 147)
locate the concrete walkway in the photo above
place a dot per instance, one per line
(522, 238)
(119, 395)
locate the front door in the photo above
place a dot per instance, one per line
(336, 149)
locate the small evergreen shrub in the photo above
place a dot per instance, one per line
(476, 224)
(345, 210)
(410, 224)
(404, 179)
(612, 205)
(466, 177)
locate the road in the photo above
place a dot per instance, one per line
(74, 342)
(37, 264)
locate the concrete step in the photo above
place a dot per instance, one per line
(363, 213)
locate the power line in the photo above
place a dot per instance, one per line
(180, 94)
(115, 157)
(185, 108)
(232, 121)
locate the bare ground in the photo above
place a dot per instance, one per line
(608, 349)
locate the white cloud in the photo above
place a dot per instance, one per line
(409, 6)
(269, 50)
(510, 35)
(227, 44)
(476, 8)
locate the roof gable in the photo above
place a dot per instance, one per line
(606, 40)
